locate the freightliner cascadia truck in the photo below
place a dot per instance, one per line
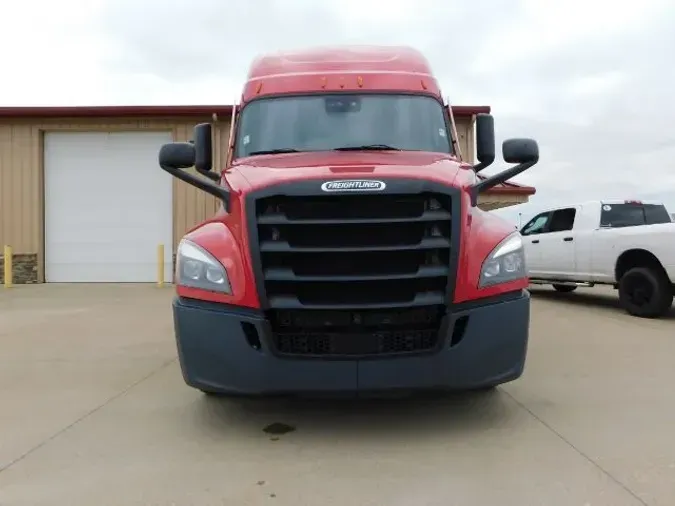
(349, 254)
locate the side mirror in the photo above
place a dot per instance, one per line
(203, 144)
(520, 150)
(175, 157)
(524, 152)
(180, 155)
(485, 141)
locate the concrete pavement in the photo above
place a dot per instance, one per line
(94, 412)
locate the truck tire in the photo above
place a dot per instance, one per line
(645, 292)
(564, 288)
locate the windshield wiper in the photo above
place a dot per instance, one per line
(274, 151)
(368, 147)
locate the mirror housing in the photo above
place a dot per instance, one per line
(180, 155)
(520, 150)
(485, 141)
(175, 157)
(203, 143)
(524, 152)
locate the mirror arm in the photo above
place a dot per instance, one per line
(481, 165)
(498, 178)
(216, 190)
(210, 174)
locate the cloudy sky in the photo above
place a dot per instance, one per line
(593, 81)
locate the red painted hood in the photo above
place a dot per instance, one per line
(260, 171)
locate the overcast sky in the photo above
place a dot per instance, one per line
(593, 81)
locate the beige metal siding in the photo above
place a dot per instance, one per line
(489, 202)
(21, 174)
(464, 128)
(19, 187)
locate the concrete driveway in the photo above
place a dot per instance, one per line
(94, 412)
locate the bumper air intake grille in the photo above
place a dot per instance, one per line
(349, 275)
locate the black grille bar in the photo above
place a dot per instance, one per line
(287, 274)
(281, 219)
(284, 246)
(335, 259)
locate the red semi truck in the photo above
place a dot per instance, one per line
(349, 254)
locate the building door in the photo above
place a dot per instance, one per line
(108, 206)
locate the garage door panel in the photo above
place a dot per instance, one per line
(106, 252)
(105, 273)
(107, 207)
(98, 221)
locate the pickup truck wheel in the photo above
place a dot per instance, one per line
(645, 292)
(564, 288)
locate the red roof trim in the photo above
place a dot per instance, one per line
(511, 188)
(470, 110)
(115, 111)
(119, 111)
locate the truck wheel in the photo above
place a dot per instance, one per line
(645, 292)
(564, 288)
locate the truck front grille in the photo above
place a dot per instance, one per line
(346, 275)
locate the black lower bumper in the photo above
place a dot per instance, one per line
(216, 354)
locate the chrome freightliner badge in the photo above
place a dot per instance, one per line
(354, 185)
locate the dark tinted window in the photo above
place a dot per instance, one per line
(562, 220)
(656, 214)
(632, 215)
(325, 122)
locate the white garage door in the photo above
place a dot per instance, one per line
(108, 206)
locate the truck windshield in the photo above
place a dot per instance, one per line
(633, 214)
(344, 122)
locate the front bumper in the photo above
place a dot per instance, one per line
(217, 355)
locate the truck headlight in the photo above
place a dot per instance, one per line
(505, 263)
(196, 268)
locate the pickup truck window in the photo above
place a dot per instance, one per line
(324, 122)
(633, 215)
(656, 214)
(562, 220)
(536, 225)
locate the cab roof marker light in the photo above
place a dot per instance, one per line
(359, 81)
(259, 88)
(424, 85)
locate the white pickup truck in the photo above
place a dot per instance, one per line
(625, 243)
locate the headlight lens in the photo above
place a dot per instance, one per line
(505, 263)
(196, 268)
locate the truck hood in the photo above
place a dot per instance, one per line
(261, 171)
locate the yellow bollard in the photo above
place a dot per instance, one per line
(8, 266)
(160, 265)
